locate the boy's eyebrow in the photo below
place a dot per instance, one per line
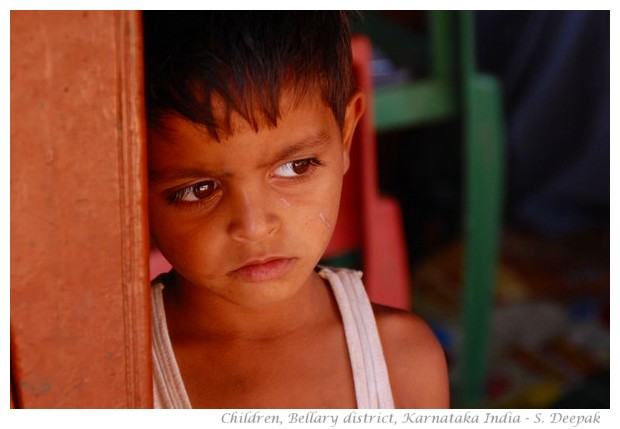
(313, 142)
(157, 176)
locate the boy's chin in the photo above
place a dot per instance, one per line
(262, 294)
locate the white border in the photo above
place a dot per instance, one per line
(208, 419)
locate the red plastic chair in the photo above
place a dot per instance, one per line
(367, 220)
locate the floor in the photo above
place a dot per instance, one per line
(550, 343)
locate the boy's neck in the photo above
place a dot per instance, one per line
(193, 312)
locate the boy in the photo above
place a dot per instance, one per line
(251, 117)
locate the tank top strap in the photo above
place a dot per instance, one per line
(370, 375)
(168, 388)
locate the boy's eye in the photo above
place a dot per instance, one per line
(196, 192)
(296, 168)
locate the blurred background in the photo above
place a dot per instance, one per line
(532, 217)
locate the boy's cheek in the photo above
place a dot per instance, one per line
(318, 221)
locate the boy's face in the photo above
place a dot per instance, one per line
(248, 218)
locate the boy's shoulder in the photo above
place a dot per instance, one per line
(415, 359)
(403, 326)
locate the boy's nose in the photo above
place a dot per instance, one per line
(253, 216)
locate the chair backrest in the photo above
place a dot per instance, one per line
(367, 220)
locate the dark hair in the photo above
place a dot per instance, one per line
(247, 59)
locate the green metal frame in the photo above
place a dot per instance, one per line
(484, 158)
(420, 101)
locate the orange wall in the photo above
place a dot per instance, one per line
(79, 243)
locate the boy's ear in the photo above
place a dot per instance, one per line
(354, 111)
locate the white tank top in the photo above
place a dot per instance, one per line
(370, 376)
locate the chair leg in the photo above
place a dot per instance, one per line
(484, 146)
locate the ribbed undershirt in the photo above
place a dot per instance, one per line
(370, 376)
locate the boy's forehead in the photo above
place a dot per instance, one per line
(184, 149)
(229, 122)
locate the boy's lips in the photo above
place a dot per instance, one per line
(263, 269)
